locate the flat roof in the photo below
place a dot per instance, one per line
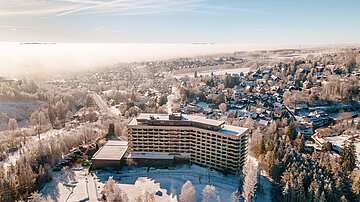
(185, 117)
(222, 128)
(233, 130)
(149, 156)
(114, 149)
(204, 120)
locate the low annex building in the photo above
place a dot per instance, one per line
(207, 142)
(110, 155)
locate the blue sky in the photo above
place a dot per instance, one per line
(181, 21)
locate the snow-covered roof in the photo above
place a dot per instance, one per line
(199, 121)
(318, 138)
(149, 156)
(114, 149)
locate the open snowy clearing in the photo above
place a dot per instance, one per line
(19, 110)
(338, 141)
(77, 185)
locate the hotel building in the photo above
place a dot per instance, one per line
(207, 142)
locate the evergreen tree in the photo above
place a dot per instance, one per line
(348, 156)
(261, 149)
(322, 197)
(291, 131)
(301, 144)
(111, 130)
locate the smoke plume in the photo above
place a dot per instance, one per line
(173, 100)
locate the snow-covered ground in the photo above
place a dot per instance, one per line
(112, 92)
(215, 72)
(338, 141)
(134, 181)
(78, 185)
(14, 156)
(72, 185)
(115, 110)
(204, 105)
(21, 110)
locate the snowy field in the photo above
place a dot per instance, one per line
(215, 72)
(338, 141)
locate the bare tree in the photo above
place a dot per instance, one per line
(51, 114)
(38, 120)
(12, 125)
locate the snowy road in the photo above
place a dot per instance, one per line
(102, 105)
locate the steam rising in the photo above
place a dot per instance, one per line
(173, 100)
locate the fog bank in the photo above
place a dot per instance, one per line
(18, 59)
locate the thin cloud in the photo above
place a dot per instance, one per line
(104, 29)
(218, 7)
(82, 7)
(15, 27)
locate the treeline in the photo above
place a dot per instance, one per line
(46, 96)
(33, 166)
(40, 121)
(303, 177)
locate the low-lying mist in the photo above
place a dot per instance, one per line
(44, 59)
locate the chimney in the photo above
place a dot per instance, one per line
(175, 116)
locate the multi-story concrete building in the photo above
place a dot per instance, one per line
(207, 142)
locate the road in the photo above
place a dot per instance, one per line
(102, 105)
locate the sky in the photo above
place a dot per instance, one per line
(181, 21)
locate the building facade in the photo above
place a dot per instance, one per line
(209, 143)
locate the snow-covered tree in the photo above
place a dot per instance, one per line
(235, 196)
(38, 120)
(146, 197)
(69, 115)
(12, 125)
(113, 193)
(250, 180)
(51, 114)
(36, 197)
(209, 194)
(222, 108)
(60, 111)
(187, 192)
